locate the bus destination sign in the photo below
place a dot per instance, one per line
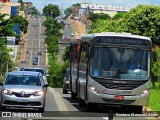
(122, 40)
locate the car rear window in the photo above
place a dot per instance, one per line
(41, 71)
(25, 69)
(22, 80)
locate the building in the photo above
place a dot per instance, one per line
(11, 44)
(106, 9)
(9, 8)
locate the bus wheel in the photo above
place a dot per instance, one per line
(81, 102)
(92, 107)
(73, 95)
(65, 91)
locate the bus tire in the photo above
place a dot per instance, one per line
(73, 95)
(65, 91)
(81, 102)
(92, 107)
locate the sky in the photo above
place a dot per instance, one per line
(63, 4)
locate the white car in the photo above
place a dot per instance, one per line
(23, 89)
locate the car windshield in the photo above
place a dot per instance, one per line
(41, 71)
(120, 63)
(22, 80)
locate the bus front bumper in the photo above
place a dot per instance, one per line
(138, 100)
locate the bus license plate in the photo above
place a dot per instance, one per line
(118, 97)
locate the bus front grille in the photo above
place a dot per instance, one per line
(111, 101)
(119, 86)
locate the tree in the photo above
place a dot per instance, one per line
(68, 11)
(53, 27)
(118, 15)
(34, 11)
(4, 56)
(95, 17)
(23, 23)
(22, 4)
(6, 26)
(142, 20)
(51, 10)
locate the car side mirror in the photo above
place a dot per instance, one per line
(47, 75)
(45, 85)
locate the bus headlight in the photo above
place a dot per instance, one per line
(144, 92)
(93, 89)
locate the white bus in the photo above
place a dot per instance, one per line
(111, 69)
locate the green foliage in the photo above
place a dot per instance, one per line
(66, 54)
(6, 26)
(96, 17)
(118, 15)
(23, 23)
(52, 43)
(142, 20)
(102, 26)
(22, 4)
(53, 34)
(56, 73)
(68, 11)
(51, 10)
(53, 27)
(154, 100)
(34, 11)
(4, 56)
(74, 9)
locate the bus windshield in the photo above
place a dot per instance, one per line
(120, 63)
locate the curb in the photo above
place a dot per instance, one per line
(145, 109)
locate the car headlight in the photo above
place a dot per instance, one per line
(8, 92)
(93, 89)
(38, 93)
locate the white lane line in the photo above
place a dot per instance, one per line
(31, 54)
(105, 118)
(58, 99)
(39, 51)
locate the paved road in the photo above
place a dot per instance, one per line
(35, 43)
(68, 30)
(61, 106)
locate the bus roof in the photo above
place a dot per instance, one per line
(88, 37)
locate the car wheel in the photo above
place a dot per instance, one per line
(41, 109)
(65, 91)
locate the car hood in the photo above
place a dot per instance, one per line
(25, 88)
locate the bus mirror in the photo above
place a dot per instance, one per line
(87, 53)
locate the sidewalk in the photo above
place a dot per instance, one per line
(21, 48)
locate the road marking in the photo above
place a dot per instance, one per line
(39, 51)
(105, 118)
(58, 99)
(31, 54)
